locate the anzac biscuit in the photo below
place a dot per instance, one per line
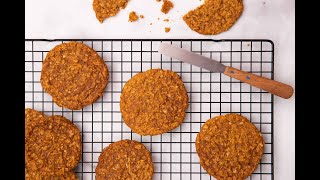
(229, 147)
(108, 8)
(125, 159)
(214, 16)
(74, 75)
(52, 146)
(36, 176)
(154, 102)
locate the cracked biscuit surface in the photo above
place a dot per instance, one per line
(229, 147)
(125, 159)
(74, 75)
(52, 145)
(214, 16)
(154, 102)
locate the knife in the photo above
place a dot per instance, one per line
(272, 86)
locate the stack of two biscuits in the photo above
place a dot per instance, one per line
(52, 147)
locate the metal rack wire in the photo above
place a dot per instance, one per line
(210, 94)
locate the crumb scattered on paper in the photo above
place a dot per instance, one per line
(167, 29)
(133, 16)
(166, 6)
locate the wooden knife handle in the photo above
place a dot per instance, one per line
(274, 87)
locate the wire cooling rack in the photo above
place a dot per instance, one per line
(210, 94)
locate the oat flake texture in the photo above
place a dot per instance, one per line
(125, 159)
(36, 176)
(74, 75)
(108, 8)
(52, 145)
(229, 147)
(154, 102)
(214, 16)
(32, 119)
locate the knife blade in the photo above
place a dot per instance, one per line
(191, 58)
(272, 86)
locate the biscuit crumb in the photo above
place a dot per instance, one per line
(166, 20)
(167, 29)
(150, 24)
(141, 16)
(166, 6)
(133, 16)
(158, 0)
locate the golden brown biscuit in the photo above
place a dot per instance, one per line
(74, 75)
(214, 16)
(133, 16)
(125, 159)
(108, 8)
(52, 146)
(36, 176)
(229, 147)
(166, 6)
(32, 118)
(154, 102)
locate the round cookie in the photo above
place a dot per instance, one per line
(125, 159)
(53, 147)
(154, 102)
(74, 75)
(229, 147)
(214, 16)
(36, 176)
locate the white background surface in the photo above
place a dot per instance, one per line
(263, 19)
